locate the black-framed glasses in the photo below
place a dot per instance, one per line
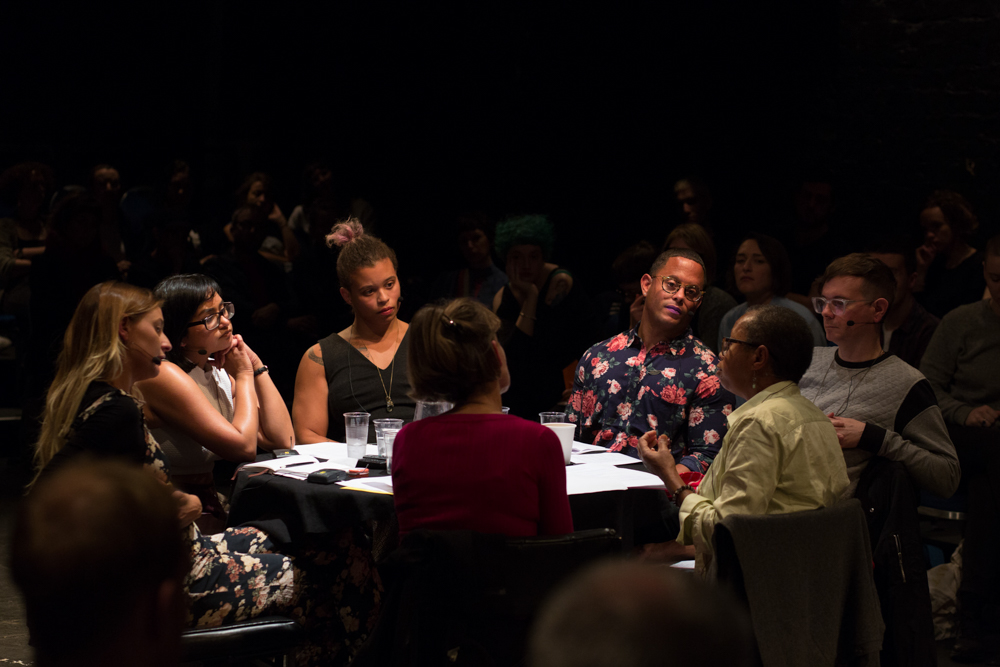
(670, 285)
(727, 341)
(838, 305)
(213, 321)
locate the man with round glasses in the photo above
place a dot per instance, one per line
(657, 375)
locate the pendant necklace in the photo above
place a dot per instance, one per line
(389, 405)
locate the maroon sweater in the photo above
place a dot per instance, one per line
(488, 473)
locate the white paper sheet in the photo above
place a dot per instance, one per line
(582, 447)
(335, 452)
(684, 564)
(372, 485)
(594, 479)
(283, 462)
(301, 472)
(604, 459)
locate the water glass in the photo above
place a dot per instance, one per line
(380, 426)
(389, 437)
(505, 410)
(431, 409)
(551, 417)
(357, 433)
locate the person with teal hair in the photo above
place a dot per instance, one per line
(545, 323)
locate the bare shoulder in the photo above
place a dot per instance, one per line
(314, 354)
(170, 375)
(403, 327)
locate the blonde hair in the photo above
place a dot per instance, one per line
(450, 354)
(92, 350)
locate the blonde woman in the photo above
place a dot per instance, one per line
(116, 339)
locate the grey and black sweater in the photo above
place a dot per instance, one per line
(901, 416)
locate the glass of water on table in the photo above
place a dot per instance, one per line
(380, 426)
(356, 424)
(389, 438)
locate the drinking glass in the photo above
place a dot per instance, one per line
(357, 433)
(380, 426)
(551, 417)
(431, 409)
(389, 436)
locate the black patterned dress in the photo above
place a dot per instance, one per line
(237, 574)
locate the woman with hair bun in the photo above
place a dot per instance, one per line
(355, 369)
(473, 468)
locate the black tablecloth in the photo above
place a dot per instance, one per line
(292, 509)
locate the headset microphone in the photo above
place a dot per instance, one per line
(850, 323)
(156, 359)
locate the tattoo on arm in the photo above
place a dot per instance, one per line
(315, 357)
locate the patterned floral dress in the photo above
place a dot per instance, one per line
(238, 575)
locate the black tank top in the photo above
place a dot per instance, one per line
(354, 386)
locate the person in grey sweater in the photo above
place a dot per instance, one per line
(880, 405)
(962, 363)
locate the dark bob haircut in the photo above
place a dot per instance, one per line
(181, 296)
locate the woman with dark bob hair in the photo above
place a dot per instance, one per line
(473, 468)
(214, 398)
(781, 453)
(762, 273)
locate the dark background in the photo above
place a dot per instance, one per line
(585, 112)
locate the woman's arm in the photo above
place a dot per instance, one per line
(309, 409)
(276, 430)
(175, 401)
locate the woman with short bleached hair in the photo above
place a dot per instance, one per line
(473, 468)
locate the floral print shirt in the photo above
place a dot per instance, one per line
(623, 389)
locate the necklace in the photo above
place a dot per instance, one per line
(389, 405)
(850, 387)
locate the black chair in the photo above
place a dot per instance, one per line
(269, 638)
(806, 578)
(467, 598)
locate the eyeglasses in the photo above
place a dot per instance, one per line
(726, 342)
(213, 321)
(838, 305)
(670, 285)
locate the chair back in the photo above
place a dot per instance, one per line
(806, 578)
(467, 598)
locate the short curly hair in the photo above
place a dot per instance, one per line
(525, 230)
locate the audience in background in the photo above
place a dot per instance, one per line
(117, 239)
(513, 481)
(25, 189)
(319, 184)
(948, 267)
(546, 323)
(962, 363)
(480, 278)
(277, 243)
(716, 302)
(694, 201)
(621, 309)
(907, 327)
(355, 369)
(634, 615)
(811, 238)
(108, 532)
(762, 274)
